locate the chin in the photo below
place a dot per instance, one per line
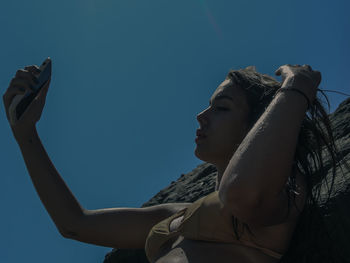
(202, 155)
(210, 157)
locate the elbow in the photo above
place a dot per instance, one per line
(67, 233)
(70, 228)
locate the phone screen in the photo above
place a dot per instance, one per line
(44, 75)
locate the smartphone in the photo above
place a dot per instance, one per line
(21, 102)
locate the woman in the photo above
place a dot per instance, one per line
(254, 135)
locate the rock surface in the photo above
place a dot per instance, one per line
(201, 181)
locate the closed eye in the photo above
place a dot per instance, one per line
(221, 108)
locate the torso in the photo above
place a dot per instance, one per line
(182, 250)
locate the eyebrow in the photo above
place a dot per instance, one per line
(220, 97)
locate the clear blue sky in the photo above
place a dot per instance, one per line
(128, 79)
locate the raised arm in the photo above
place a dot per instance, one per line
(111, 227)
(58, 200)
(60, 203)
(258, 171)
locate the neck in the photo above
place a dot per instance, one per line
(221, 169)
(222, 165)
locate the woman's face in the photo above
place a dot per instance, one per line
(224, 124)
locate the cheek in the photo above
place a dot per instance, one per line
(229, 132)
(227, 125)
(224, 136)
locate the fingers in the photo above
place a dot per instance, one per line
(308, 67)
(11, 94)
(25, 79)
(34, 69)
(319, 76)
(305, 70)
(280, 69)
(25, 74)
(22, 83)
(315, 72)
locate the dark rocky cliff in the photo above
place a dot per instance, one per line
(201, 181)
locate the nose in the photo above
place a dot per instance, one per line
(202, 118)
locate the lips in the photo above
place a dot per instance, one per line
(200, 133)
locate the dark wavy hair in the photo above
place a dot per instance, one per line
(311, 240)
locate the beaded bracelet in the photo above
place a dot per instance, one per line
(297, 90)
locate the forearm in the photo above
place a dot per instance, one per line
(58, 200)
(262, 163)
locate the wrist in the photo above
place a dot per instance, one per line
(293, 84)
(25, 136)
(296, 91)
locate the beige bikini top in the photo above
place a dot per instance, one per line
(202, 220)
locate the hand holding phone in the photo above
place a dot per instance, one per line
(20, 102)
